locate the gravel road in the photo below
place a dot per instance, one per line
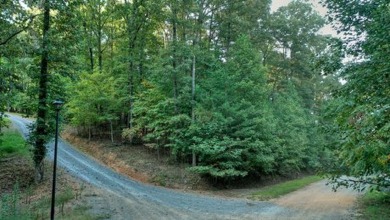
(129, 199)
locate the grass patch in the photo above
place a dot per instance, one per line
(284, 188)
(80, 212)
(375, 205)
(20, 204)
(12, 142)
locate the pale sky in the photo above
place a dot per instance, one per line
(277, 3)
(317, 6)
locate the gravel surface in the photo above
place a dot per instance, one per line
(124, 198)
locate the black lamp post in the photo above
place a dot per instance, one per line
(57, 104)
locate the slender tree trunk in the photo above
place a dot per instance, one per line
(158, 150)
(211, 29)
(90, 49)
(100, 28)
(91, 58)
(41, 129)
(193, 106)
(131, 45)
(112, 63)
(131, 89)
(111, 132)
(141, 62)
(174, 62)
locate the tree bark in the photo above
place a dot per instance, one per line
(100, 29)
(193, 106)
(41, 129)
(174, 62)
(111, 132)
(91, 59)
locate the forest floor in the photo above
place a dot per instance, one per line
(140, 163)
(146, 165)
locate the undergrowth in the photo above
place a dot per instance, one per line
(19, 205)
(375, 205)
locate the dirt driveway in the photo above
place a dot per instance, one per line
(319, 201)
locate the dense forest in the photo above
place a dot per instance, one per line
(227, 86)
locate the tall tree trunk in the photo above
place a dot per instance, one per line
(132, 29)
(131, 43)
(193, 106)
(112, 62)
(174, 62)
(130, 116)
(100, 29)
(41, 129)
(111, 132)
(91, 58)
(141, 61)
(211, 29)
(90, 49)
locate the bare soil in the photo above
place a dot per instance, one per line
(15, 170)
(318, 199)
(140, 163)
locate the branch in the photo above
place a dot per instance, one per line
(11, 36)
(19, 31)
(382, 181)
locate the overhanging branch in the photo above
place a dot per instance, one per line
(6, 40)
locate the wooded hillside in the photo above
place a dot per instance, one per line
(226, 86)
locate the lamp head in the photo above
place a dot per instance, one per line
(58, 104)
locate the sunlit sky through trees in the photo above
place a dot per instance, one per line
(318, 7)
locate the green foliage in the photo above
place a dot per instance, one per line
(154, 116)
(237, 130)
(295, 29)
(362, 112)
(3, 124)
(93, 101)
(292, 140)
(231, 140)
